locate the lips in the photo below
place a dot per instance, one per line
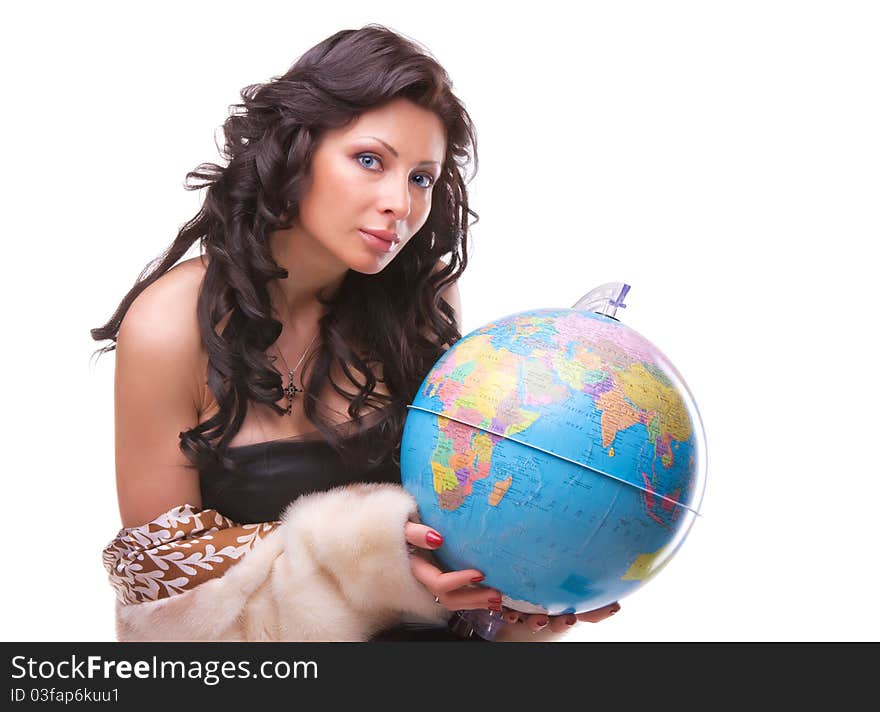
(377, 243)
(386, 235)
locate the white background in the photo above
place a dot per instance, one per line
(722, 158)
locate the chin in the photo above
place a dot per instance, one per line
(370, 264)
(373, 268)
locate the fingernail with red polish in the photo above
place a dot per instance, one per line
(477, 579)
(495, 607)
(542, 623)
(570, 620)
(433, 538)
(495, 599)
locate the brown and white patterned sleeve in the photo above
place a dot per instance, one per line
(177, 551)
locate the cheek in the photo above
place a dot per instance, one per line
(419, 216)
(335, 182)
(327, 192)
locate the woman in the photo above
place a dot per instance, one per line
(275, 368)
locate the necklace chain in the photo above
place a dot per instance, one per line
(290, 390)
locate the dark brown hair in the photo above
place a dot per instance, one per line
(396, 315)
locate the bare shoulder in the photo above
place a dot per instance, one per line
(168, 304)
(163, 318)
(185, 277)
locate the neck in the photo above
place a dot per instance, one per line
(311, 271)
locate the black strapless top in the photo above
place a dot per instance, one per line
(268, 476)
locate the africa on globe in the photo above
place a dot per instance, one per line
(559, 452)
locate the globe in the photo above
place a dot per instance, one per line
(559, 452)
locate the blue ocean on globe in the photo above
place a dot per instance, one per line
(559, 452)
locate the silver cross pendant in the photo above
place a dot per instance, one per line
(290, 390)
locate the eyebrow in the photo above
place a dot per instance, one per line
(396, 155)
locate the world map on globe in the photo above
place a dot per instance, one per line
(559, 452)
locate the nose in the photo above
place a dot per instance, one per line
(395, 197)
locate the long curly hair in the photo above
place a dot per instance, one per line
(397, 315)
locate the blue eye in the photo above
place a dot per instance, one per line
(430, 179)
(367, 156)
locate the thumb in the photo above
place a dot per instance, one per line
(422, 536)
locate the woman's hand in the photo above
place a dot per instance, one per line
(559, 624)
(455, 590)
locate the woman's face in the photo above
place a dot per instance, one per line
(375, 174)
